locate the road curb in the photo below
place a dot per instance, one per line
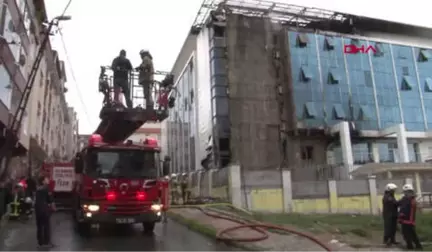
(206, 230)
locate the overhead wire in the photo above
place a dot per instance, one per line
(72, 72)
(66, 7)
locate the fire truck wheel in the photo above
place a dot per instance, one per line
(148, 227)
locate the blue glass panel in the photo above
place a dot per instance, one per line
(428, 85)
(410, 93)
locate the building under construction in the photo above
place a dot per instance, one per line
(271, 85)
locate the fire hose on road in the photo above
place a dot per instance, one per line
(259, 227)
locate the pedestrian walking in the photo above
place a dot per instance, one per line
(390, 214)
(407, 217)
(43, 209)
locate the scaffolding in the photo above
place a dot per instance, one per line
(278, 11)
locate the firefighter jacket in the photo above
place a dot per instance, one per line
(407, 210)
(390, 205)
(146, 70)
(121, 67)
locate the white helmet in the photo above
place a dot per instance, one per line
(391, 187)
(28, 200)
(173, 175)
(408, 187)
(184, 174)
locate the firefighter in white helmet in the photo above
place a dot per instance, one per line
(407, 217)
(184, 188)
(390, 214)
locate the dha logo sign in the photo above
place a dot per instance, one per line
(353, 49)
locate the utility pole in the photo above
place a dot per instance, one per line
(13, 129)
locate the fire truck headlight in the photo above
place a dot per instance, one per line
(93, 208)
(156, 207)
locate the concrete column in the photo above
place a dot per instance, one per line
(373, 194)
(198, 191)
(210, 181)
(287, 191)
(409, 181)
(235, 186)
(333, 197)
(402, 143)
(347, 154)
(418, 183)
(374, 152)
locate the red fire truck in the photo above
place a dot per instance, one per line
(118, 184)
(118, 181)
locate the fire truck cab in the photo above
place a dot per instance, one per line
(117, 184)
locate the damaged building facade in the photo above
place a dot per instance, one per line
(282, 87)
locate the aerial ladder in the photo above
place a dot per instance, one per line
(119, 122)
(14, 125)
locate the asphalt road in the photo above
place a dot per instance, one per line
(21, 236)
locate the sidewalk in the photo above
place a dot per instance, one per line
(275, 242)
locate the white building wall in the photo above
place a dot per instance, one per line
(203, 108)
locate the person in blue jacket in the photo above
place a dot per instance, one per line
(407, 217)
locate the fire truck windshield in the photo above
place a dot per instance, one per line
(124, 163)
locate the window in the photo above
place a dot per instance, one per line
(364, 113)
(428, 85)
(405, 70)
(302, 40)
(424, 55)
(310, 110)
(333, 78)
(368, 78)
(307, 152)
(305, 74)
(338, 112)
(355, 42)
(379, 49)
(407, 83)
(328, 44)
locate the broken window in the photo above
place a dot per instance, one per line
(355, 42)
(310, 110)
(333, 77)
(407, 83)
(364, 113)
(424, 55)
(307, 152)
(379, 49)
(329, 44)
(428, 85)
(338, 112)
(305, 73)
(302, 40)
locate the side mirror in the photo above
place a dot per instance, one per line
(78, 164)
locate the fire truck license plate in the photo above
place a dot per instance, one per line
(125, 220)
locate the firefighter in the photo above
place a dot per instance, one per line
(184, 188)
(104, 86)
(407, 217)
(121, 67)
(43, 209)
(17, 200)
(173, 188)
(146, 76)
(390, 214)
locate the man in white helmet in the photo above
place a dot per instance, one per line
(407, 217)
(390, 214)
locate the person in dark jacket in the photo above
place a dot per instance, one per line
(121, 67)
(146, 76)
(43, 209)
(407, 217)
(390, 214)
(166, 166)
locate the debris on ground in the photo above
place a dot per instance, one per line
(278, 241)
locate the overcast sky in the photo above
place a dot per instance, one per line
(99, 29)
